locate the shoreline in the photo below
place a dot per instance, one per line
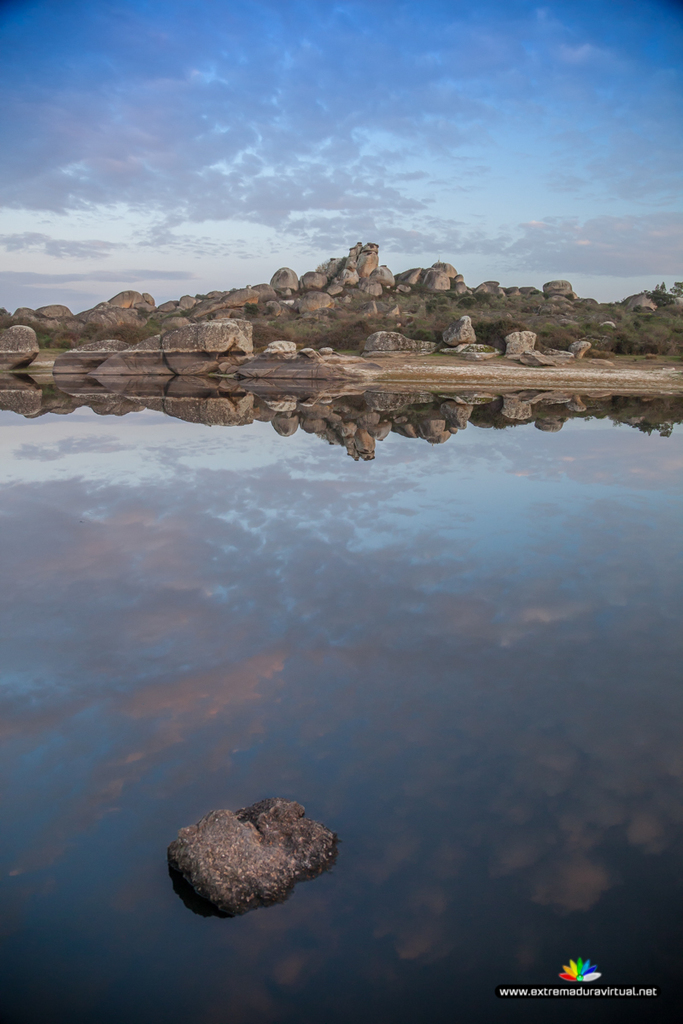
(423, 371)
(409, 372)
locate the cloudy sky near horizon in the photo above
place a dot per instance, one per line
(178, 147)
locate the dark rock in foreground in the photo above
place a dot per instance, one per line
(252, 857)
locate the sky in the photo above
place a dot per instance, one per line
(180, 147)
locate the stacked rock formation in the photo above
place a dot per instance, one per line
(343, 287)
(328, 287)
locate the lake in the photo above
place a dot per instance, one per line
(463, 657)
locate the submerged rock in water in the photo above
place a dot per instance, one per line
(252, 857)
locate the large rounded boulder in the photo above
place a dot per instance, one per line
(561, 288)
(437, 281)
(313, 280)
(383, 276)
(18, 347)
(285, 279)
(126, 300)
(460, 332)
(370, 287)
(314, 300)
(54, 311)
(446, 268)
(641, 301)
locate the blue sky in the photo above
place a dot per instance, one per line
(182, 146)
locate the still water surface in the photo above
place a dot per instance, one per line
(463, 658)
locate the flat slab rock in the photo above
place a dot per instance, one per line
(253, 857)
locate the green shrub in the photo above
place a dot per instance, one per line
(437, 304)
(493, 332)
(262, 334)
(660, 296)
(345, 335)
(559, 335)
(422, 334)
(130, 333)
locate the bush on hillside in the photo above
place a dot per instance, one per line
(493, 332)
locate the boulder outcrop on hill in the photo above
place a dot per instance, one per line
(490, 288)
(342, 291)
(313, 279)
(410, 277)
(383, 276)
(370, 287)
(446, 268)
(54, 311)
(368, 259)
(314, 300)
(640, 301)
(285, 279)
(234, 299)
(437, 281)
(131, 299)
(107, 315)
(561, 288)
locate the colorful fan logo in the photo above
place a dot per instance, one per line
(580, 971)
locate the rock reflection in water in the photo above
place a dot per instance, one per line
(464, 659)
(192, 900)
(352, 419)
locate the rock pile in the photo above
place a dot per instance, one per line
(317, 293)
(344, 288)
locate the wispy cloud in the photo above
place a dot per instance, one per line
(33, 241)
(28, 277)
(325, 123)
(211, 120)
(622, 246)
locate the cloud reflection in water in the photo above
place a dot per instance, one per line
(478, 696)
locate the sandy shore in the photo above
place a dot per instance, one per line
(446, 373)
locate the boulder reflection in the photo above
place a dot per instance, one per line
(192, 900)
(352, 419)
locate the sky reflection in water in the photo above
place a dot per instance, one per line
(464, 659)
